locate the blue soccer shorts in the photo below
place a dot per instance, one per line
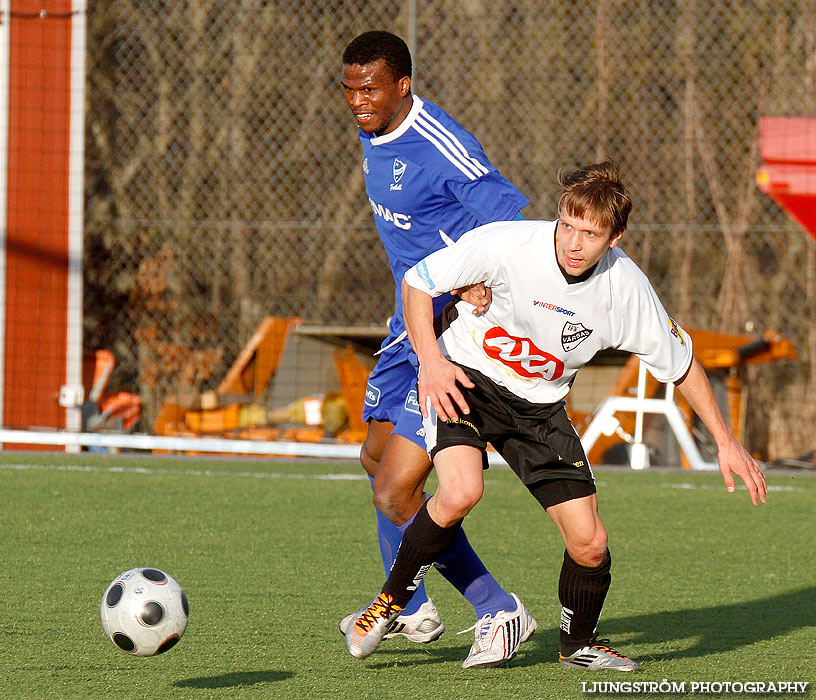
(391, 392)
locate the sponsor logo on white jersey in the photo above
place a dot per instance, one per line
(422, 270)
(552, 307)
(676, 332)
(521, 355)
(402, 221)
(573, 335)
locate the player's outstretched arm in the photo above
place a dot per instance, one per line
(437, 376)
(732, 456)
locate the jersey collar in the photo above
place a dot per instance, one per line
(403, 127)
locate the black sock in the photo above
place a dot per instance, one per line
(581, 590)
(422, 542)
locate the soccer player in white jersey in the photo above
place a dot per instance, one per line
(562, 291)
(428, 182)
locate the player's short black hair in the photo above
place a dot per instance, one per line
(375, 45)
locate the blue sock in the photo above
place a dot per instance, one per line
(390, 536)
(461, 566)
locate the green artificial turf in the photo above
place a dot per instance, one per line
(272, 554)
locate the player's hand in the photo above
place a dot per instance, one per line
(734, 459)
(477, 295)
(438, 382)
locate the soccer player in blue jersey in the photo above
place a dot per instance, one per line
(428, 181)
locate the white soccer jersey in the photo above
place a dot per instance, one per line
(540, 329)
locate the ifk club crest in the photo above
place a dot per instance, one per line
(399, 170)
(573, 335)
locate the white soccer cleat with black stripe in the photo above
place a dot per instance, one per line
(498, 637)
(597, 656)
(421, 627)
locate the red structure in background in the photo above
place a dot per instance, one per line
(787, 146)
(43, 73)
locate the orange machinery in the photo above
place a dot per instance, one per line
(233, 408)
(221, 411)
(118, 412)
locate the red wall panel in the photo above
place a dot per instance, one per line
(37, 212)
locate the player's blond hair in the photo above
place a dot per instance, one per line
(595, 192)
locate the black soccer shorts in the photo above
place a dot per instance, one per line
(538, 441)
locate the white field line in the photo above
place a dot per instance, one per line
(709, 487)
(150, 471)
(184, 472)
(281, 475)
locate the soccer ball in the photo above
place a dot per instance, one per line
(144, 612)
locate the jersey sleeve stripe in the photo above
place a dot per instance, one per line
(457, 162)
(454, 141)
(445, 137)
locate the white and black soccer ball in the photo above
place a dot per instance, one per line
(144, 612)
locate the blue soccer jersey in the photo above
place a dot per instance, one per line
(429, 182)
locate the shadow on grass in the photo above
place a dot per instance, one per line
(720, 628)
(233, 680)
(712, 630)
(416, 655)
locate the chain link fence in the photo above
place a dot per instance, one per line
(224, 182)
